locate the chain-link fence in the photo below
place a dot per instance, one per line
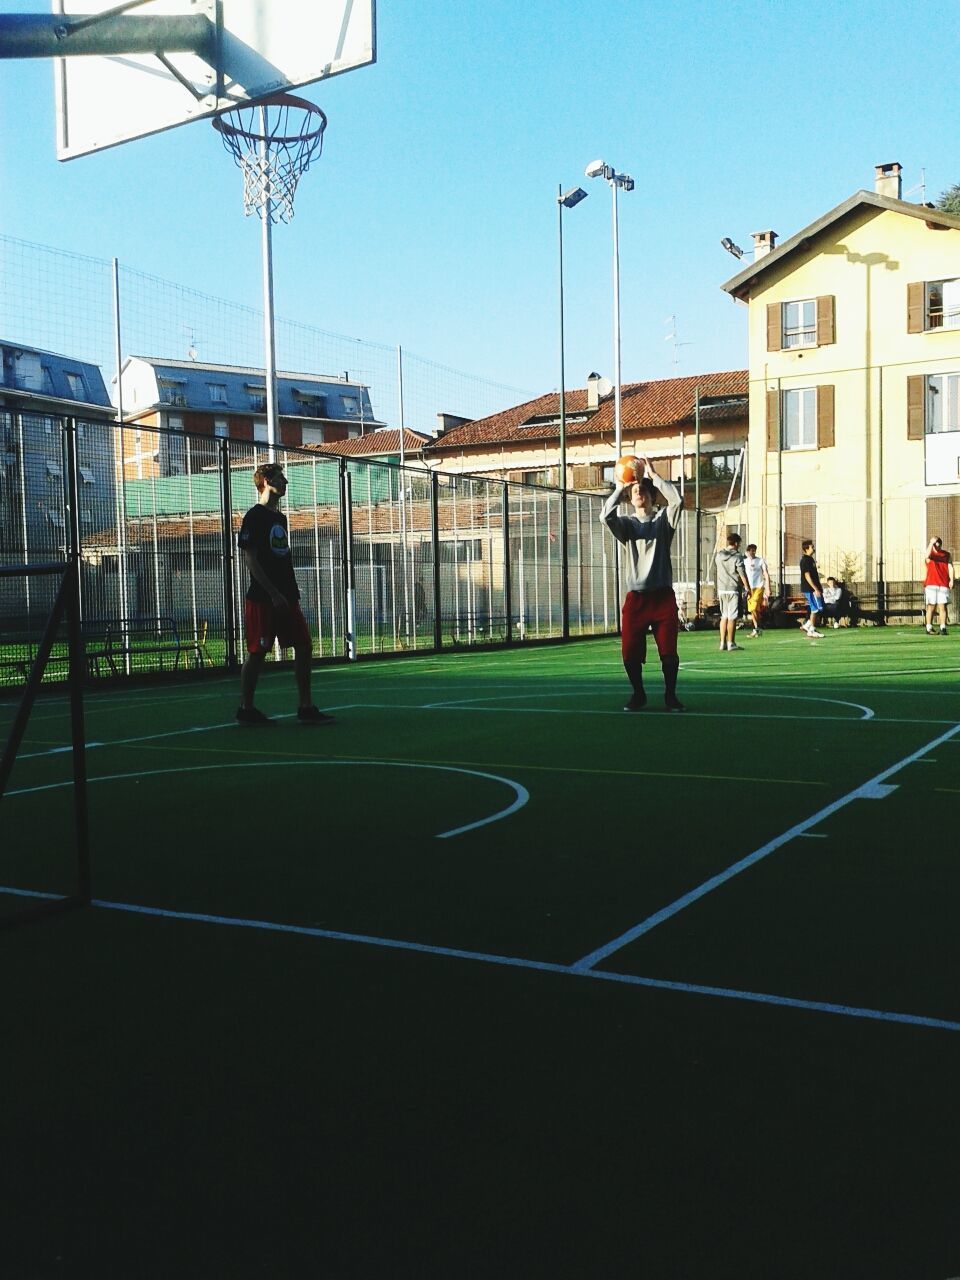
(388, 559)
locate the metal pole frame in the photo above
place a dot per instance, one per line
(696, 501)
(269, 329)
(617, 434)
(226, 545)
(435, 534)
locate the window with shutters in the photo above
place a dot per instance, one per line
(806, 322)
(799, 324)
(942, 403)
(800, 418)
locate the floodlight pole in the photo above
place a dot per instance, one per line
(564, 201)
(269, 332)
(600, 169)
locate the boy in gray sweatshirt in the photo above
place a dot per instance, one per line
(650, 603)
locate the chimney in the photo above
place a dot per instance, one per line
(593, 390)
(764, 242)
(887, 180)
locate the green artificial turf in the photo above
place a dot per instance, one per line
(189, 1096)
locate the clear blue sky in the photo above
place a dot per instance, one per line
(431, 219)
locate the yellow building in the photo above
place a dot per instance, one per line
(854, 365)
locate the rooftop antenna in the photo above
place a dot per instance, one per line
(674, 337)
(192, 353)
(921, 187)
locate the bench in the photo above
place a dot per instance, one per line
(120, 642)
(481, 628)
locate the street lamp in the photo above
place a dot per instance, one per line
(565, 200)
(616, 181)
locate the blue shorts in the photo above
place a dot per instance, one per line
(815, 601)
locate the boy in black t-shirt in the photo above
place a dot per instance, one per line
(810, 585)
(272, 607)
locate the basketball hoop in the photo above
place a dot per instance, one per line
(273, 149)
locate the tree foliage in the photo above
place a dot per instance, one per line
(949, 202)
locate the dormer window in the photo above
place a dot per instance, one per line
(256, 396)
(351, 404)
(218, 392)
(172, 391)
(75, 382)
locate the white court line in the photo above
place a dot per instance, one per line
(521, 794)
(875, 788)
(469, 703)
(516, 962)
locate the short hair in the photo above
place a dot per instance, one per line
(734, 539)
(266, 471)
(807, 542)
(751, 546)
(833, 579)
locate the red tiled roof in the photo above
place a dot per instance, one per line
(644, 405)
(373, 442)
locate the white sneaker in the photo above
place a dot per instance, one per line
(733, 645)
(814, 635)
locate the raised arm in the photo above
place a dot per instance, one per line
(670, 492)
(617, 525)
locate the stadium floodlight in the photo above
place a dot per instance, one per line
(616, 182)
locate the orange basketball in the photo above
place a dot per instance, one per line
(628, 469)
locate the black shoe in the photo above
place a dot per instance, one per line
(251, 718)
(637, 702)
(672, 702)
(313, 715)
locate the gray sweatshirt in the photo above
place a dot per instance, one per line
(647, 542)
(730, 567)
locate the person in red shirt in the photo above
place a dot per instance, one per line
(938, 584)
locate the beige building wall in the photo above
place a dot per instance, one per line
(869, 486)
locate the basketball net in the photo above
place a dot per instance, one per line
(273, 151)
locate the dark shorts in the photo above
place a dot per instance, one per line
(263, 624)
(645, 611)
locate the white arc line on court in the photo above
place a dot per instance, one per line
(521, 794)
(875, 788)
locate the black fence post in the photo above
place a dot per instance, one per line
(507, 582)
(226, 543)
(435, 535)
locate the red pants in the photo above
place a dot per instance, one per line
(644, 611)
(263, 624)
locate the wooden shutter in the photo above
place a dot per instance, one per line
(774, 326)
(825, 311)
(825, 416)
(915, 307)
(773, 421)
(799, 526)
(943, 521)
(916, 395)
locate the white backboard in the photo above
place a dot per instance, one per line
(262, 47)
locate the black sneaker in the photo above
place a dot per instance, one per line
(313, 715)
(672, 702)
(251, 718)
(637, 702)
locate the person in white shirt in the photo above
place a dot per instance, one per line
(758, 587)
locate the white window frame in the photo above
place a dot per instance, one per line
(798, 324)
(805, 400)
(260, 433)
(351, 404)
(221, 427)
(218, 392)
(942, 410)
(947, 313)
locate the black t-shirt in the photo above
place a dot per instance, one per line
(264, 532)
(809, 565)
